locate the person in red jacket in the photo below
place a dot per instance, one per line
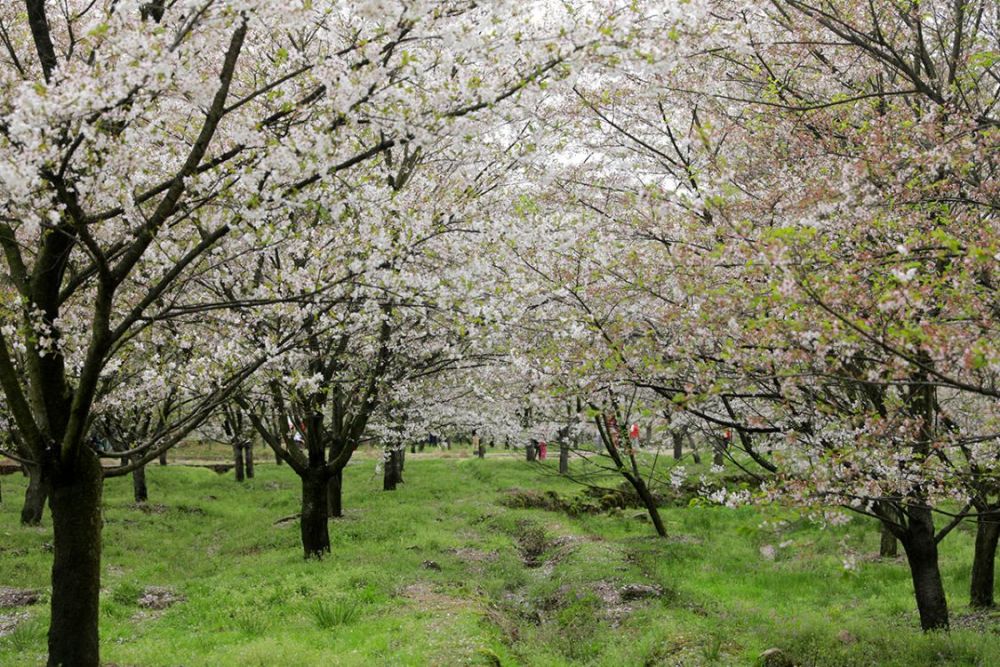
(542, 448)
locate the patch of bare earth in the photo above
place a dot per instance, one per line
(154, 601)
(18, 597)
(156, 597)
(9, 622)
(617, 601)
(984, 620)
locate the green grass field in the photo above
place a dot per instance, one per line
(440, 572)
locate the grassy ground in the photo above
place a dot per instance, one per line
(440, 573)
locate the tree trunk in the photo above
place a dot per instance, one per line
(238, 458)
(402, 461)
(987, 534)
(163, 458)
(649, 502)
(481, 452)
(563, 458)
(315, 501)
(922, 556)
(39, 488)
(678, 439)
(888, 546)
(248, 458)
(277, 459)
(392, 473)
(76, 567)
(695, 456)
(140, 492)
(335, 488)
(389, 473)
(413, 447)
(529, 452)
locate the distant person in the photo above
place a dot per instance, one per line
(543, 448)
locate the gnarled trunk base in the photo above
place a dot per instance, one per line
(76, 567)
(922, 556)
(315, 535)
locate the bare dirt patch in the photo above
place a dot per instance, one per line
(9, 622)
(985, 620)
(18, 597)
(158, 598)
(617, 601)
(531, 542)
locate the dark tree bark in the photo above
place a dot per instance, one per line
(392, 470)
(248, 459)
(335, 488)
(481, 451)
(163, 458)
(888, 545)
(639, 484)
(76, 568)
(678, 439)
(315, 501)
(982, 584)
(39, 488)
(389, 475)
(718, 457)
(530, 452)
(628, 467)
(563, 457)
(922, 555)
(695, 455)
(238, 459)
(140, 492)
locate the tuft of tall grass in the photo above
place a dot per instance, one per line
(329, 614)
(29, 635)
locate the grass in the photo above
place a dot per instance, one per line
(330, 614)
(439, 572)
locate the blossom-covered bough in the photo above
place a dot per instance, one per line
(386, 298)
